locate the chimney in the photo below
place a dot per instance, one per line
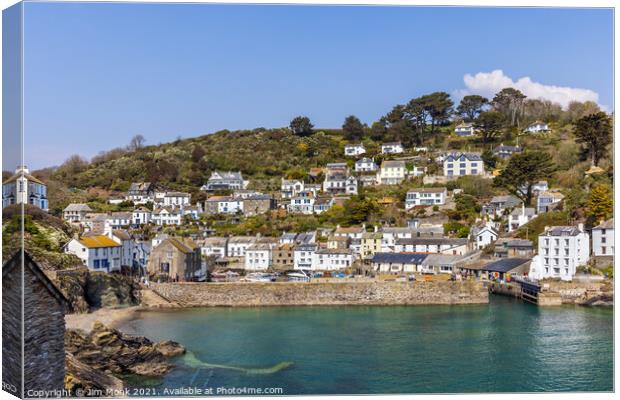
(580, 227)
(376, 228)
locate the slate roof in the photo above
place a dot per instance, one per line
(609, 224)
(399, 258)
(78, 207)
(505, 264)
(561, 231)
(431, 241)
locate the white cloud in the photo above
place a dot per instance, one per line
(487, 84)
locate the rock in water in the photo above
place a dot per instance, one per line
(111, 353)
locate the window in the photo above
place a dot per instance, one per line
(603, 239)
(603, 250)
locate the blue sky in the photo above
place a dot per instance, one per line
(97, 74)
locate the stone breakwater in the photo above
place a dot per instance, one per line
(244, 294)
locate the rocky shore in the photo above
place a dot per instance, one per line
(97, 360)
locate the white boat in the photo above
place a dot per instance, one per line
(259, 277)
(298, 277)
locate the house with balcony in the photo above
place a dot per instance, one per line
(76, 212)
(502, 151)
(353, 150)
(392, 172)
(392, 148)
(225, 181)
(465, 129)
(23, 188)
(537, 127)
(425, 197)
(366, 165)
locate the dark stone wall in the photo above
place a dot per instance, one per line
(44, 339)
(44, 332)
(11, 332)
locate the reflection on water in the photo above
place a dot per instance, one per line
(505, 346)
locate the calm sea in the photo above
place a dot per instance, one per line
(506, 346)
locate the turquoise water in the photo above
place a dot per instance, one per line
(506, 346)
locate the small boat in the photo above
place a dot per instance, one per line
(298, 277)
(260, 277)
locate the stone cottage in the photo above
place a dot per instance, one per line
(43, 328)
(175, 259)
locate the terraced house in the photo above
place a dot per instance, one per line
(97, 252)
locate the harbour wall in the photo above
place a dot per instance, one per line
(244, 294)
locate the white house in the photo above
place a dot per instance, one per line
(482, 237)
(225, 181)
(332, 259)
(258, 257)
(141, 192)
(461, 164)
(117, 220)
(141, 216)
(76, 212)
(426, 197)
(603, 239)
(237, 245)
(303, 256)
(167, 216)
(520, 216)
(366, 165)
(223, 205)
(291, 188)
(561, 249)
(397, 263)
(465, 129)
(214, 246)
(392, 148)
(123, 238)
(98, 253)
(177, 199)
(547, 201)
(354, 149)
(338, 180)
(23, 188)
(392, 172)
(352, 232)
(537, 127)
(455, 246)
(302, 203)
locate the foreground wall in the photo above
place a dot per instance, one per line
(324, 293)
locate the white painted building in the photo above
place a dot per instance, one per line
(603, 239)
(392, 172)
(520, 216)
(561, 249)
(303, 256)
(426, 197)
(258, 257)
(141, 216)
(75, 212)
(366, 165)
(167, 216)
(237, 245)
(465, 129)
(392, 148)
(98, 253)
(537, 127)
(177, 199)
(454, 246)
(353, 150)
(482, 237)
(461, 164)
(332, 259)
(291, 188)
(214, 246)
(302, 203)
(123, 238)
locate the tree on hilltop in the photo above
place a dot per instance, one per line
(509, 102)
(353, 128)
(136, 143)
(301, 126)
(471, 106)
